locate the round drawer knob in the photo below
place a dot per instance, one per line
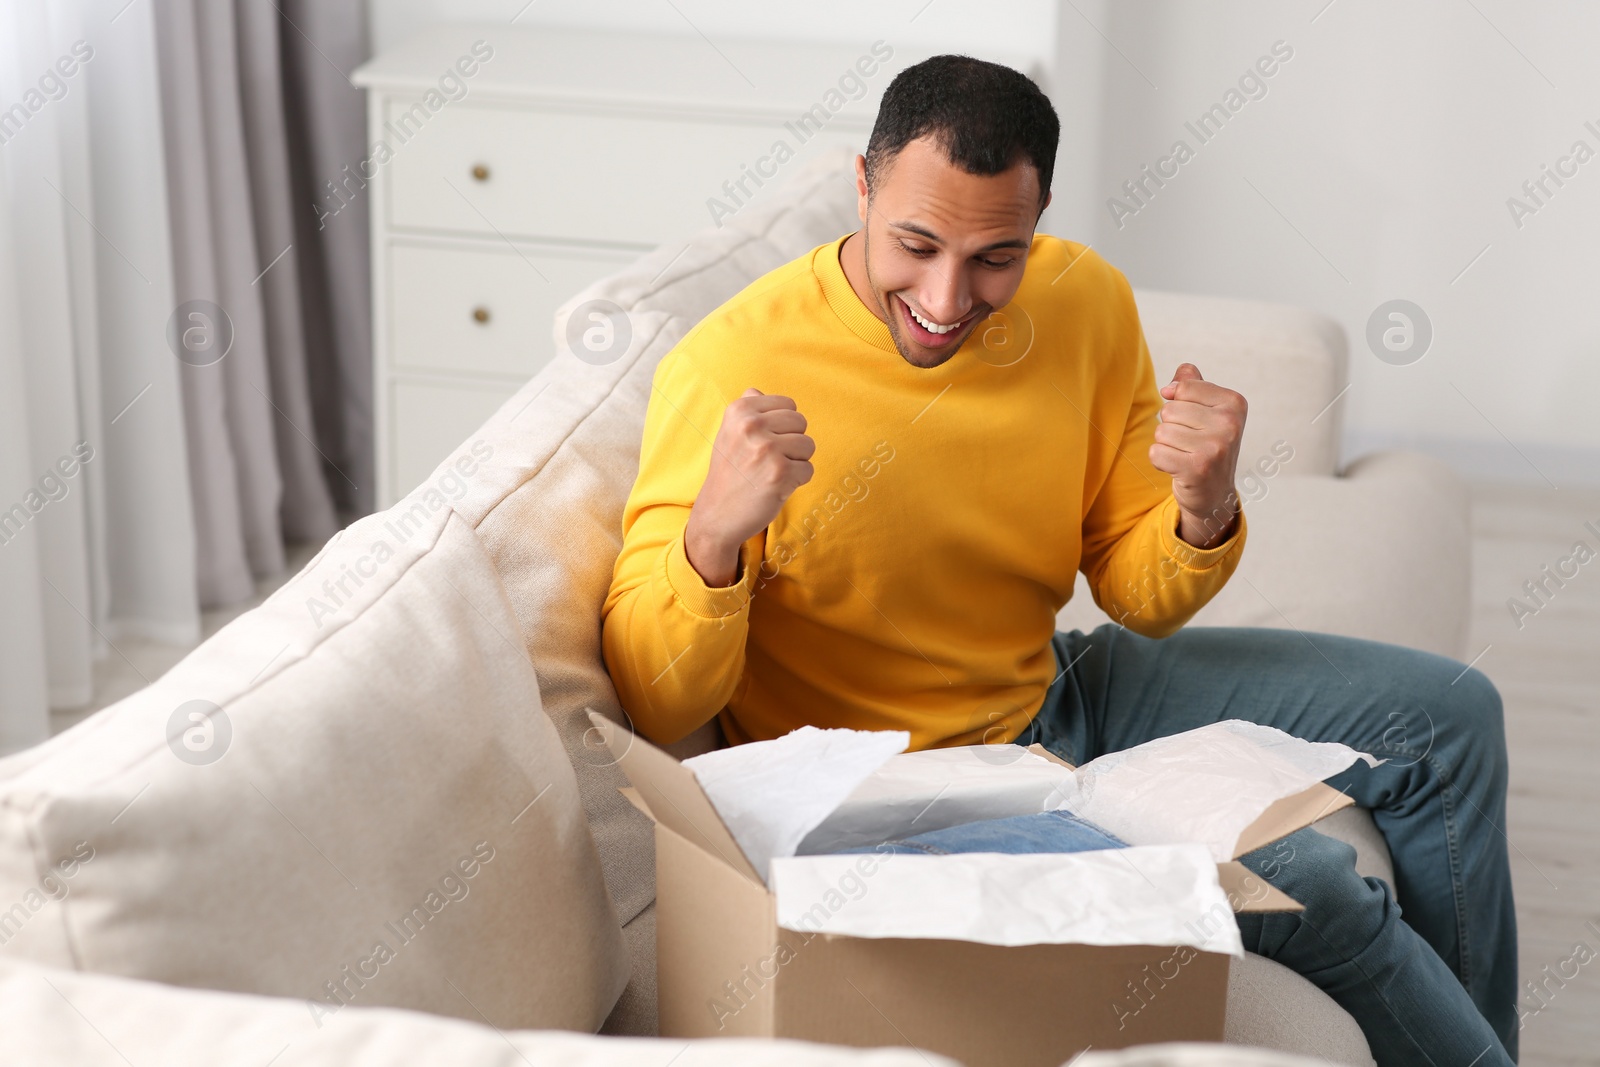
(480, 172)
(480, 314)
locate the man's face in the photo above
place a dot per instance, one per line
(944, 245)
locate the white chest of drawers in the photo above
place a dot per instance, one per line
(509, 167)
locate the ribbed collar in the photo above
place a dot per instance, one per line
(842, 298)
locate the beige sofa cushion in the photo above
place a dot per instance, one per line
(60, 1017)
(384, 776)
(1273, 1007)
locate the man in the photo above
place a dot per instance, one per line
(867, 482)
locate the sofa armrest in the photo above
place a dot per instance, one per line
(1382, 552)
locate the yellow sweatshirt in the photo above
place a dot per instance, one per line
(913, 583)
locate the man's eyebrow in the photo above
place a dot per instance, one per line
(923, 231)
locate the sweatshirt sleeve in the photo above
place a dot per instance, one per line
(1141, 573)
(673, 645)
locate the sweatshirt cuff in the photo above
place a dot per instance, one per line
(709, 601)
(1187, 555)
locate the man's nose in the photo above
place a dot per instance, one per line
(945, 299)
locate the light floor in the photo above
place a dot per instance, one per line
(1549, 674)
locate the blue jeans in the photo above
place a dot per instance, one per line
(1435, 987)
(1046, 831)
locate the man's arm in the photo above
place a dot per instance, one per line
(711, 478)
(1166, 530)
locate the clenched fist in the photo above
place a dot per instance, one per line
(760, 456)
(1197, 442)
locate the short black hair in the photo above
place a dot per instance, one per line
(984, 115)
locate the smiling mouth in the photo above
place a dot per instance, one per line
(931, 336)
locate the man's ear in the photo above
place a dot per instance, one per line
(861, 187)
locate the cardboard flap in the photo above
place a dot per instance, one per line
(1248, 891)
(1284, 817)
(1039, 750)
(672, 795)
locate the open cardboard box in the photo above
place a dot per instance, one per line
(725, 967)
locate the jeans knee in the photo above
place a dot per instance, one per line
(1343, 913)
(1481, 702)
(1477, 721)
(1304, 863)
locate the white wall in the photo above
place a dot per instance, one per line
(1391, 142)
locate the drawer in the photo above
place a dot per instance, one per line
(482, 311)
(583, 176)
(429, 420)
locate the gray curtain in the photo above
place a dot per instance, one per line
(278, 428)
(327, 135)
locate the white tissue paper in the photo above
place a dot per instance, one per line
(771, 794)
(1203, 785)
(936, 788)
(1154, 895)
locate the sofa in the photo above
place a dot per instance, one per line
(375, 802)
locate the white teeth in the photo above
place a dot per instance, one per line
(929, 326)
